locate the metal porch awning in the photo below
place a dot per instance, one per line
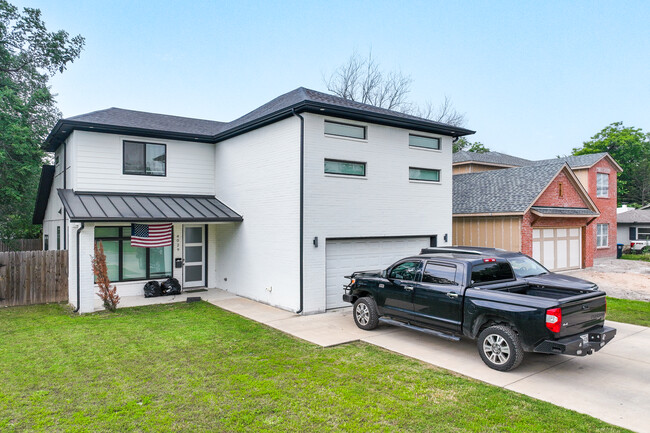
(131, 207)
(544, 211)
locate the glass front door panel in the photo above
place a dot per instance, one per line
(194, 255)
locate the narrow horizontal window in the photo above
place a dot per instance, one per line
(426, 142)
(425, 174)
(349, 168)
(345, 130)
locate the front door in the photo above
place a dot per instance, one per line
(397, 299)
(194, 255)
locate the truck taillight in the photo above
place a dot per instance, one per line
(554, 319)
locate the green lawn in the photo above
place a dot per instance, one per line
(642, 257)
(624, 310)
(194, 367)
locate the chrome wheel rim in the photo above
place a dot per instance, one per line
(496, 349)
(363, 314)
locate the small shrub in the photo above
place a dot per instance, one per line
(107, 293)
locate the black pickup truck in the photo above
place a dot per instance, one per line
(478, 296)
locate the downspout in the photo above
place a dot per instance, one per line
(302, 202)
(81, 227)
(65, 185)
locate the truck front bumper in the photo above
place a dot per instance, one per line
(580, 344)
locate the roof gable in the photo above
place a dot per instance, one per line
(582, 161)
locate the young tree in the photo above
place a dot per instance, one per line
(463, 144)
(29, 56)
(362, 79)
(630, 147)
(107, 293)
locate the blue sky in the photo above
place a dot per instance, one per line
(534, 79)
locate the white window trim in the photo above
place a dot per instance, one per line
(606, 235)
(606, 195)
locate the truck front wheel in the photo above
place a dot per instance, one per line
(500, 348)
(365, 313)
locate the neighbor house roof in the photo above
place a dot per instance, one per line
(634, 216)
(116, 120)
(580, 161)
(103, 206)
(496, 158)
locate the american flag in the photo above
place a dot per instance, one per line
(151, 235)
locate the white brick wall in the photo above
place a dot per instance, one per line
(383, 203)
(258, 175)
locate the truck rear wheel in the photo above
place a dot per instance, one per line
(500, 348)
(365, 313)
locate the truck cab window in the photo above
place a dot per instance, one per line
(489, 272)
(439, 274)
(405, 271)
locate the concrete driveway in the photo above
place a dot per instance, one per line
(612, 385)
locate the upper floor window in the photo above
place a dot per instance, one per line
(145, 158)
(425, 174)
(425, 142)
(602, 235)
(345, 130)
(602, 185)
(350, 168)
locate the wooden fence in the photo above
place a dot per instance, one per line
(22, 245)
(33, 277)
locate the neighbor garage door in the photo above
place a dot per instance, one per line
(558, 249)
(346, 256)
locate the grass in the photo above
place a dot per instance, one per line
(627, 311)
(194, 367)
(641, 257)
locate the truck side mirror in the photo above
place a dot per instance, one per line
(383, 273)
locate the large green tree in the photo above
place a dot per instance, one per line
(462, 144)
(29, 57)
(630, 147)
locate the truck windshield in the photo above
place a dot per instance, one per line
(526, 267)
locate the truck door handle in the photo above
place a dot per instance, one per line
(408, 287)
(452, 295)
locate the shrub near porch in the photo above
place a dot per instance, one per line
(194, 367)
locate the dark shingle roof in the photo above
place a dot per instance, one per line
(43, 194)
(575, 161)
(511, 190)
(546, 210)
(160, 122)
(117, 120)
(634, 216)
(98, 206)
(490, 158)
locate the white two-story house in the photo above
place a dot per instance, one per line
(277, 206)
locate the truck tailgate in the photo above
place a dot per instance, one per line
(582, 312)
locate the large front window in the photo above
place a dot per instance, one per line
(602, 233)
(145, 158)
(128, 263)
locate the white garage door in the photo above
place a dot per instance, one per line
(558, 249)
(348, 255)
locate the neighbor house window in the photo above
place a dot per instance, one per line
(425, 142)
(58, 237)
(145, 158)
(126, 263)
(602, 185)
(602, 233)
(643, 234)
(425, 174)
(46, 242)
(345, 130)
(349, 168)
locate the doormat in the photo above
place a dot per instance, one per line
(195, 290)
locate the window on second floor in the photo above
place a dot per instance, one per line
(424, 174)
(345, 130)
(602, 185)
(145, 158)
(348, 168)
(424, 142)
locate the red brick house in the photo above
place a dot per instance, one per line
(561, 211)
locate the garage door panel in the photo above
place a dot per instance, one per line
(558, 249)
(349, 255)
